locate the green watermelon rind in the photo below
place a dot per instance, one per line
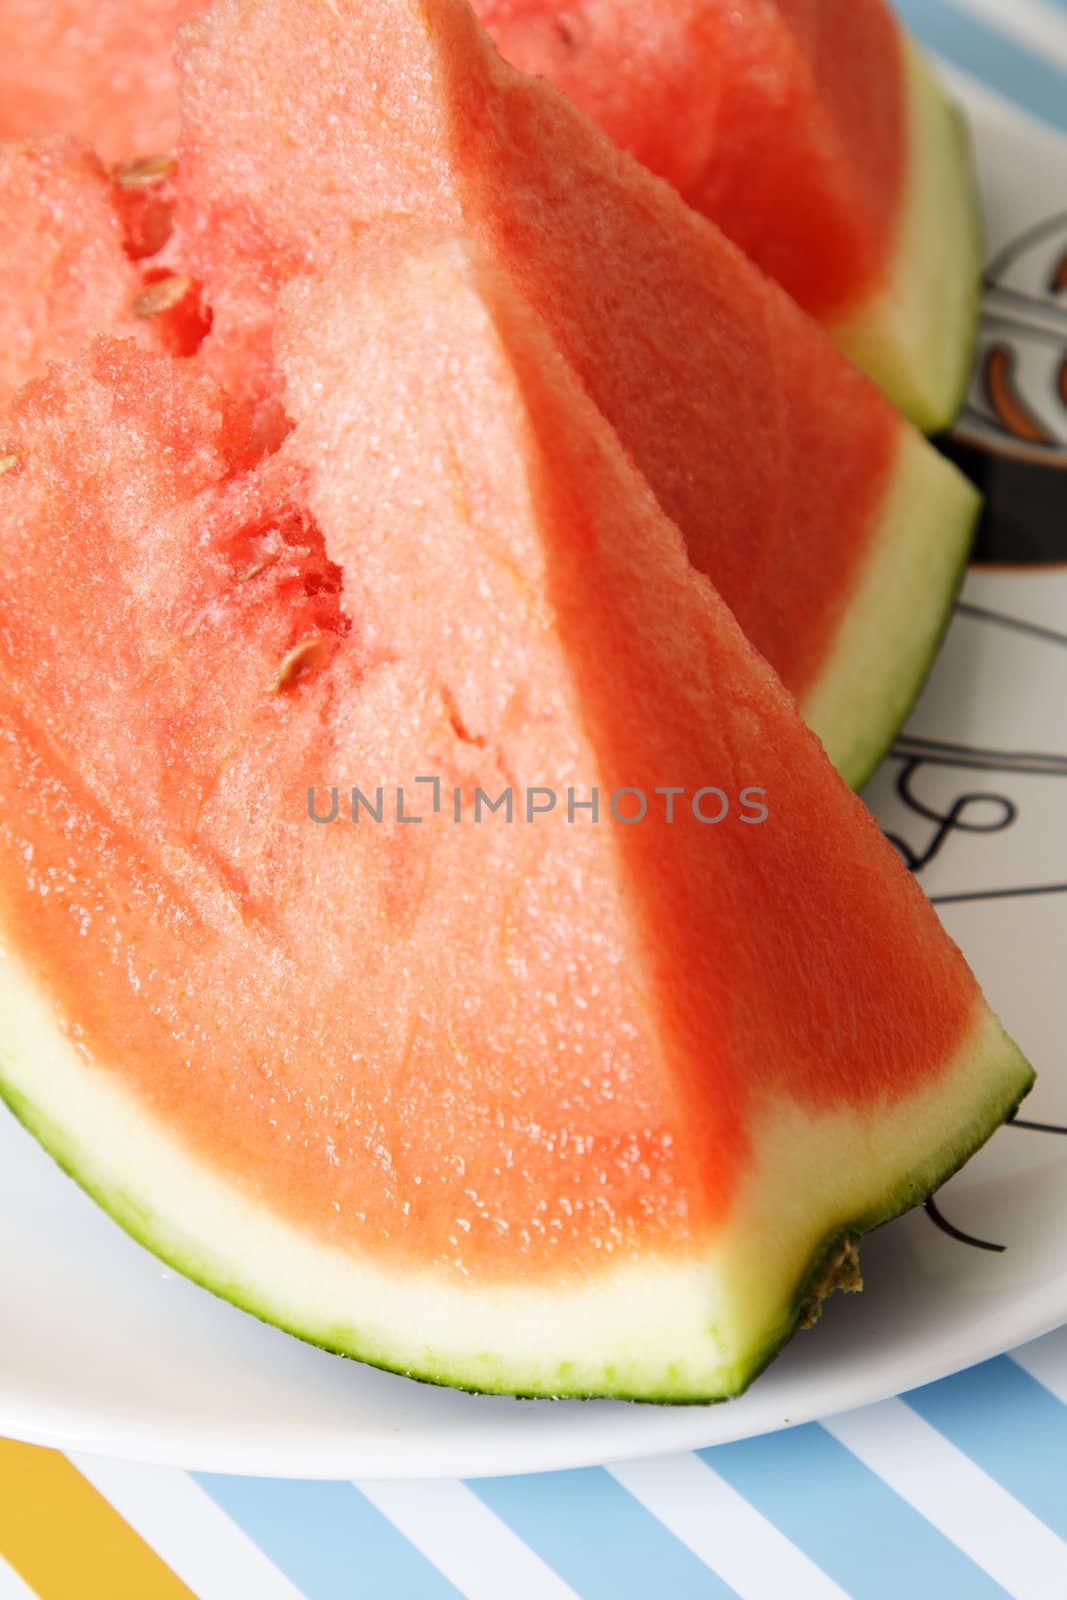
(939, 422)
(861, 772)
(897, 613)
(943, 236)
(143, 1223)
(915, 1191)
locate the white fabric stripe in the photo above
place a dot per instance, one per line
(466, 1541)
(1038, 26)
(983, 1520)
(187, 1530)
(1046, 1360)
(12, 1586)
(720, 1527)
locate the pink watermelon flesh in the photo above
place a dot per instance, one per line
(816, 136)
(783, 120)
(305, 120)
(606, 1072)
(807, 129)
(80, 253)
(66, 274)
(100, 69)
(146, 196)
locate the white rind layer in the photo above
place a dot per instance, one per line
(687, 1330)
(915, 336)
(897, 612)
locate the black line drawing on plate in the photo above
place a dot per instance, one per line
(976, 812)
(938, 1218)
(962, 816)
(973, 811)
(1017, 624)
(1011, 438)
(1024, 312)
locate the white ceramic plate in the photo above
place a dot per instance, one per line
(102, 1349)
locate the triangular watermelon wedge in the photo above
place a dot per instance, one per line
(816, 136)
(552, 1104)
(834, 533)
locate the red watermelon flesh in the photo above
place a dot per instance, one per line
(804, 127)
(798, 488)
(66, 274)
(146, 195)
(813, 134)
(550, 1107)
(784, 120)
(101, 69)
(645, 73)
(81, 256)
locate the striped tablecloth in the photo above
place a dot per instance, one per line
(954, 1492)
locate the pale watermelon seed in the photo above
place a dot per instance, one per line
(162, 296)
(146, 173)
(302, 660)
(257, 567)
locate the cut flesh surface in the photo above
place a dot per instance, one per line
(66, 275)
(549, 1107)
(794, 482)
(100, 69)
(815, 135)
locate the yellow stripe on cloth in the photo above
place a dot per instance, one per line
(64, 1539)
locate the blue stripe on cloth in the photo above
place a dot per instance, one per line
(1011, 1426)
(328, 1539)
(990, 56)
(598, 1538)
(850, 1523)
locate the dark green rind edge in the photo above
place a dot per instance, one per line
(907, 698)
(137, 1221)
(914, 1191)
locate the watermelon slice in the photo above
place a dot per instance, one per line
(66, 275)
(549, 1103)
(814, 134)
(833, 532)
(101, 69)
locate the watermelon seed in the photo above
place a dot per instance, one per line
(145, 174)
(258, 566)
(6, 464)
(303, 659)
(162, 296)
